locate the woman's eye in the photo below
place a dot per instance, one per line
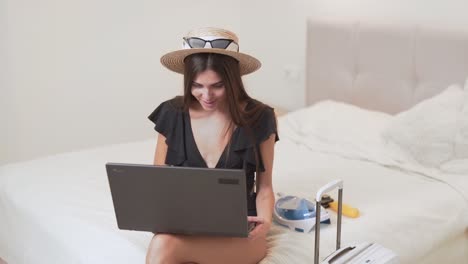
(218, 85)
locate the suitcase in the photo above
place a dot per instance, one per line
(363, 253)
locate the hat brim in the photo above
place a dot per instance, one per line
(174, 60)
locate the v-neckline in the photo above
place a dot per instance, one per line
(200, 156)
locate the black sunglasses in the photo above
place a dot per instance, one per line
(195, 42)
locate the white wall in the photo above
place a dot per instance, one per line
(275, 32)
(4, 92)
(4, 108)
(84, 73)
(450, 13)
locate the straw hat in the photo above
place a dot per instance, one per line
(202, 41)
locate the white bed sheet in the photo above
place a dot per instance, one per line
(408, 213)
(58, 209)
(418, 212)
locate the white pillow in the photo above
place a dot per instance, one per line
(427, 132)
(337, 127)
(459, 163)
(461, 139)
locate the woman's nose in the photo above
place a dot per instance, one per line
(207, 93)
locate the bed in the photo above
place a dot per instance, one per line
(370, 88)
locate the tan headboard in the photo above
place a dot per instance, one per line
(380, 66)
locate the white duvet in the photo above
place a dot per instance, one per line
(58, 209)
(419, 212)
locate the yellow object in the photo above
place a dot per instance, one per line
(347, 210)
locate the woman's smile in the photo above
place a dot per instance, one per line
(209, 90)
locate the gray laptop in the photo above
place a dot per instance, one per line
(179, 200)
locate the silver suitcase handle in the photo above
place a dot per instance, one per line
(327, 188)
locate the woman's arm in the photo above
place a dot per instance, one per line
(161, 151)
(265, 196)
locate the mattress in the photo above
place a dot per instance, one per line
(58, 209)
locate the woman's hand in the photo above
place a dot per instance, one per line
(261, 227)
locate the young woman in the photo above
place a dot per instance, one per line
(216, 124)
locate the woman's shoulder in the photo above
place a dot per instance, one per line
(253, 103)
(259, 111)
(262, 119)
(167, 111)
(174, 104)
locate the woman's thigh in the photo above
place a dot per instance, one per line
(206, 250)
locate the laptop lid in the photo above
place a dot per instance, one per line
(179, 200)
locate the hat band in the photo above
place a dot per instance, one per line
(210, 42)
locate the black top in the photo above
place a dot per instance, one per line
(174, 123)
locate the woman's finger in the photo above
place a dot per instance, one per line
(255, 219)
(257, 232)
(254, 233)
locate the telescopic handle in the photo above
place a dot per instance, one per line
(327, 188)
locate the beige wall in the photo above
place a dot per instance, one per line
(275, 32)
(449, 12)
(86, 73)
(4, 93)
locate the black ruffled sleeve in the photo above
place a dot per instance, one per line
(169, 121)
(164, 117)
(266, 126)
(248, 141)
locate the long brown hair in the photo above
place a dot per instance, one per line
(228, 70)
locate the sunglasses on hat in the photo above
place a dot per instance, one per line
(199, 43)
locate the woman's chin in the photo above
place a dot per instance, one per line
(209, 107)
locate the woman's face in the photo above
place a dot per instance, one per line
(209, 90)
